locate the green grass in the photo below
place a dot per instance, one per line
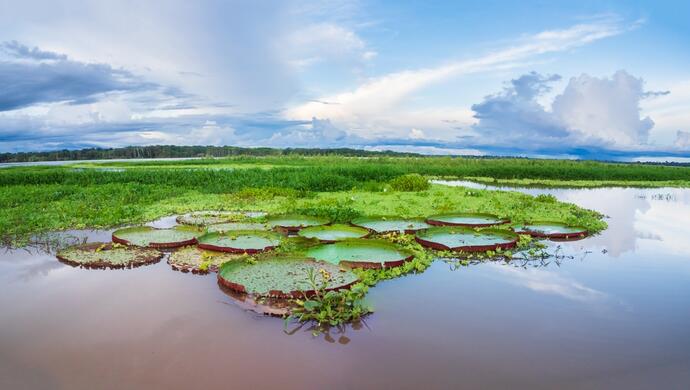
(39, 199)
(500, 168)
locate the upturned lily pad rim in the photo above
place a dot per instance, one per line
(406, 255)
(160, 245)
(434, 219)
(511, 242)
(582, 232)
(219, 248)
(276, 293)
(317, 221)
(378, 218)
(256, 226)
(149, 256)
(364, 232)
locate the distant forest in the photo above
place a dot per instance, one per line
(172, 151)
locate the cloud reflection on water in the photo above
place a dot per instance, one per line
(544, 281)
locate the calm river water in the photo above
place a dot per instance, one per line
(614, 312)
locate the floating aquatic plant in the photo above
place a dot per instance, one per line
(196, 260)
(388, 224)
(552, 230)
(361, 253)
(466, 219)
(147, 236)
(243, 241)
(204, 218)
(283, 277)
(333, 233)
(108, 255)
(466, 239)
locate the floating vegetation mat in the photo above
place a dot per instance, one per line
(283, 277)
(553, 230)
(108, 255)
(466, 239)
(294, 222)
(203, 218)
(466, 219)
(240, 241)
(157, 238)
(391, 224)
(232, 226)
(333, 233)
(196, 260)
(361, 253)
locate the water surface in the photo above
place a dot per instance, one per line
(613, 311)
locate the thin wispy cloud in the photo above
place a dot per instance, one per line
(376, 98)
(330, 74)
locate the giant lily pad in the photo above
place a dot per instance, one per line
(551, 229)
(243, 241)
(203, 218)
(466, 239)
(107, 255)
(233, 226)
(283, 277)
(198, 260)
(157, 238)
(386, 224)
(466, 219)
(361, 253)
(333, 233)
(294, 222)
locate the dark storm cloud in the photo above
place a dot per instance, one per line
(17, 50)
(515, 113)
(32, 76)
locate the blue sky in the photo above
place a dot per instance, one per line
(592, 79)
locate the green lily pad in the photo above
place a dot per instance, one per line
(108, 255)
(332, 233)
(386, 224)
(157, 238)
(361, 253)
(466, 239)
(233, 226)
(209, 217)
(198, 260)
(551, 229)
(243, 241)
(466, 219)
(294, 222)
(283, 277)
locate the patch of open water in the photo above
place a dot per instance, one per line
(615, 315)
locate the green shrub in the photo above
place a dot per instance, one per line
(410, 182)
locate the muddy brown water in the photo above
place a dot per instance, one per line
(614, 312)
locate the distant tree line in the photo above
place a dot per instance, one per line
(173, 151)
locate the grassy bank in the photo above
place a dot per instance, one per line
(499, 168)
(77, 203)
(38, 199)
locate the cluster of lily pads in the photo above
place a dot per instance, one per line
(241, 246)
